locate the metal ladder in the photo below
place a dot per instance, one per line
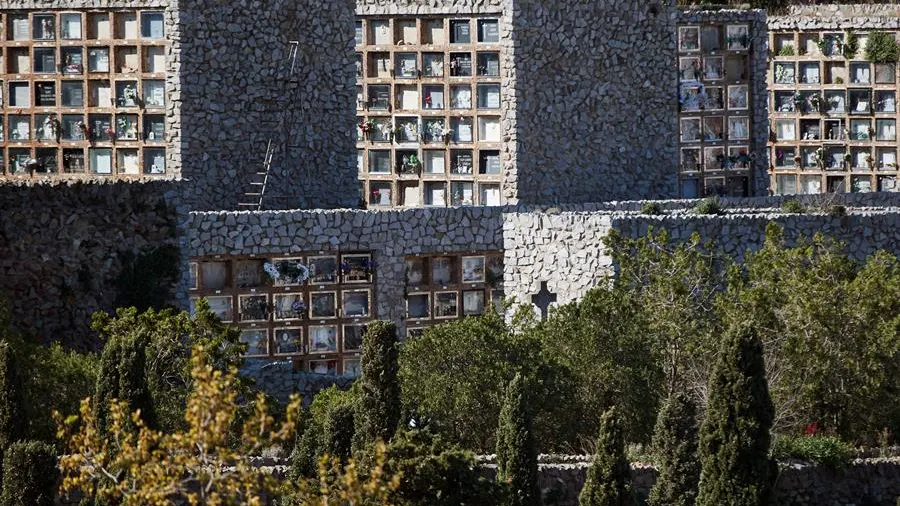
(260, 180)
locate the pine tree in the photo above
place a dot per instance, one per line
(122, 376)
(734, 441)
(675, 441)
(379, 404)
(516, 447)
(608, 480)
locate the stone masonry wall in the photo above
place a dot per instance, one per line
(234, 91)
(64, 246)
(595, 101)
(866, 482)
(837, 17)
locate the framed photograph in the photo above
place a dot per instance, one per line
(257, 341)
(214, 276)
(688, 38)
(220, 306)
(288, 341)
(690, 130)
(352, 368)
(737, 37)
(249, 274)
(713, 68)
(473, 302)
(689, 68)
(353, 337)
(446, 305)
(286, 271)
(737, 97)
(738, 128)
(322, 305)
(689, 98)
(715, 98)
(415, 271)
(253, 307)
(323, 339)
(473, 269)
(713, 159)
(323, 367)
(442, 272)
(356, 268)
(323, 269)
(355, 303)
(193, 276)
(418, 305)
(713, 128)
(289, 306)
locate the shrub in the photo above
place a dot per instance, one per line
(793, 207)
(516, 448)
(437, 473)
(786, 50)
(709, 205)
(822, 450)
(29, 474)
(324, 430)
(122, 377)
(378, 410)
(837, 211)
(608, 481)
(651, 208)
(882, 47)
(734, 447)
(12, 427)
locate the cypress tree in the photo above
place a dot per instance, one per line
(379, 404)
(122, 376)
(12, 403)
(339, 431)
(30, 476)
(608, 480)
(734, 439)
(675, 441)
(516, 447)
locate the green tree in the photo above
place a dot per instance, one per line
(453, 377)
(602, 341)
(675, 442)
(167, 337)
(437, 473)
(831, 332)
(122, 377)
(322, 431)
(676, 285)
(379, 401)
(608, 481)
(12, 427)
(30, 475)
(516, 447)
(734, 441)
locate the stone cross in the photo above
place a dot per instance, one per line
(543, 299)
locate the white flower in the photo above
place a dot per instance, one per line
(304, 273)
(272, 271)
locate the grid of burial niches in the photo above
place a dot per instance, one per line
(428, 105)
(312, 308)
(85, 93)
(448, 287)
(714, 109)
(833, 114)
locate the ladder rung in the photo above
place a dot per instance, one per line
(257, 184)
(247, 204)
(251, 194)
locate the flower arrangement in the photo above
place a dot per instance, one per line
(286, 272)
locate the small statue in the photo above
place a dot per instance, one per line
(129, 95)
(46, 29)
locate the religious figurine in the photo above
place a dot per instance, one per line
(51, 128)
(129, 96)
(47, 29)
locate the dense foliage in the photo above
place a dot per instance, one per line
(882, 47)
(823, 450)
(675, 441)
(608, 481)
(517, 454)
(29, 474)
(734, 439)
(324, 431)
(379, 389)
